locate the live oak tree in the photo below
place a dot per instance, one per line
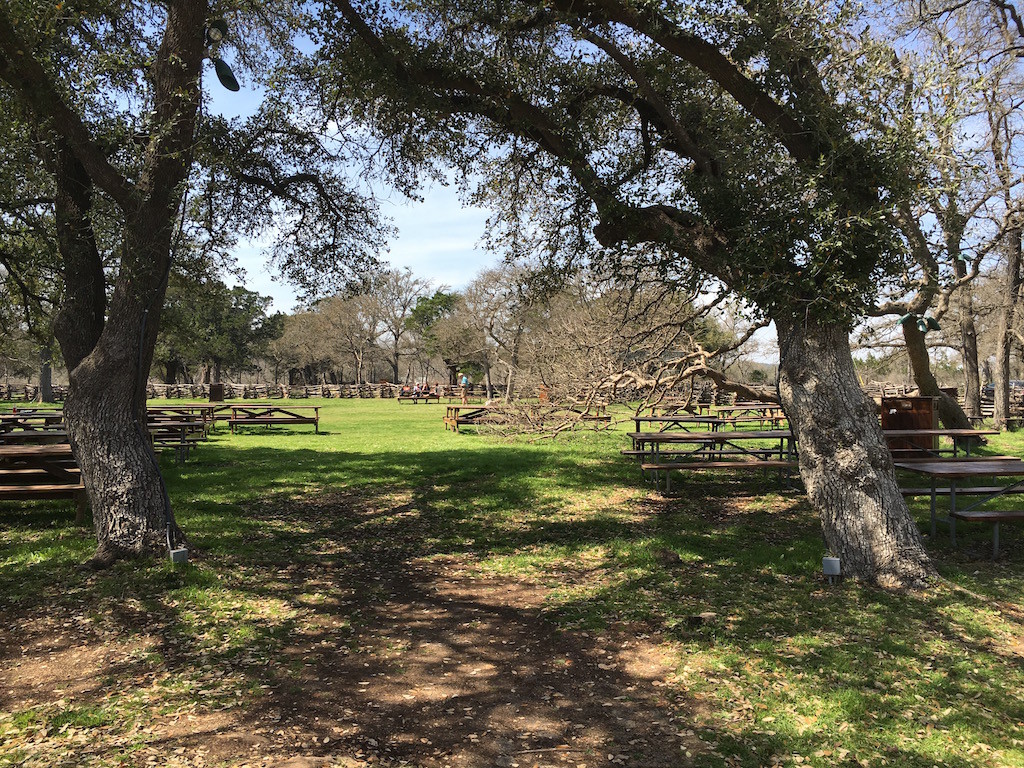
(732, 143)
(209, 325)
(109, 93)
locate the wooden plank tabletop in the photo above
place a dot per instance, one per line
(695, 437)
(31, 451)
(954, 433)
(961, 469)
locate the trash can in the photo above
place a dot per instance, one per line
(216, 393)
(911, 413)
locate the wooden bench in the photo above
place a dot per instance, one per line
(246, 416)
(180, 435)
(994, 516)
(691, 466)
(425, 397)
(30, 472)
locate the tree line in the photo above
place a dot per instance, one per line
(511, 328)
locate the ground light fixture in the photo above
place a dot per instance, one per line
(832, 568)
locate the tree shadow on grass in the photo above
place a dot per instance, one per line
(340, 598)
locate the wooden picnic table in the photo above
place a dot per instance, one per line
(707, 450)
(47, 471)
(953, 472)
(687, 422)
(205, 411)
(425, 397)
(463, 415)
(273, 415)
(178, 434)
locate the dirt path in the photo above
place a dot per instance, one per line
(422, 665)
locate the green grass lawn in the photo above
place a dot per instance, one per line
(790, 670)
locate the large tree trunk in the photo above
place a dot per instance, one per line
(1004, 342)
(969, 352)
(108, 433)
(951, 414)
(844, 462)
(105, 409)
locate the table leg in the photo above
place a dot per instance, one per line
(933, 508)
(952, 509)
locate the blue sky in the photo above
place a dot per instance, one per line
(436, 239)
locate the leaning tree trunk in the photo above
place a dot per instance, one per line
(951, 414)
(844, 462)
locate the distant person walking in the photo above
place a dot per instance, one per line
(464, 383)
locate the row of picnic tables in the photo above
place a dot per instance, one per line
(717, 440)
(37, 460)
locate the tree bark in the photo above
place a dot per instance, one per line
(951, 414)
(130, 516)
(844, 462)
(969, 349)
(45, 375)
(1004, 342)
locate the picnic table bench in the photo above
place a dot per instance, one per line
(32, 421)
(955, 471)
(460, 415)
(46, 471)
(272, 415)
(178, 435)
(425, 397)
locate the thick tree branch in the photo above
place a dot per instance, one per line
(706, 57)
(705, 163)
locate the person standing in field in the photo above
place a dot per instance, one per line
(464, 383)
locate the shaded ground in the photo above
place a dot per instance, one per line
(501, 605)
(395, 661)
